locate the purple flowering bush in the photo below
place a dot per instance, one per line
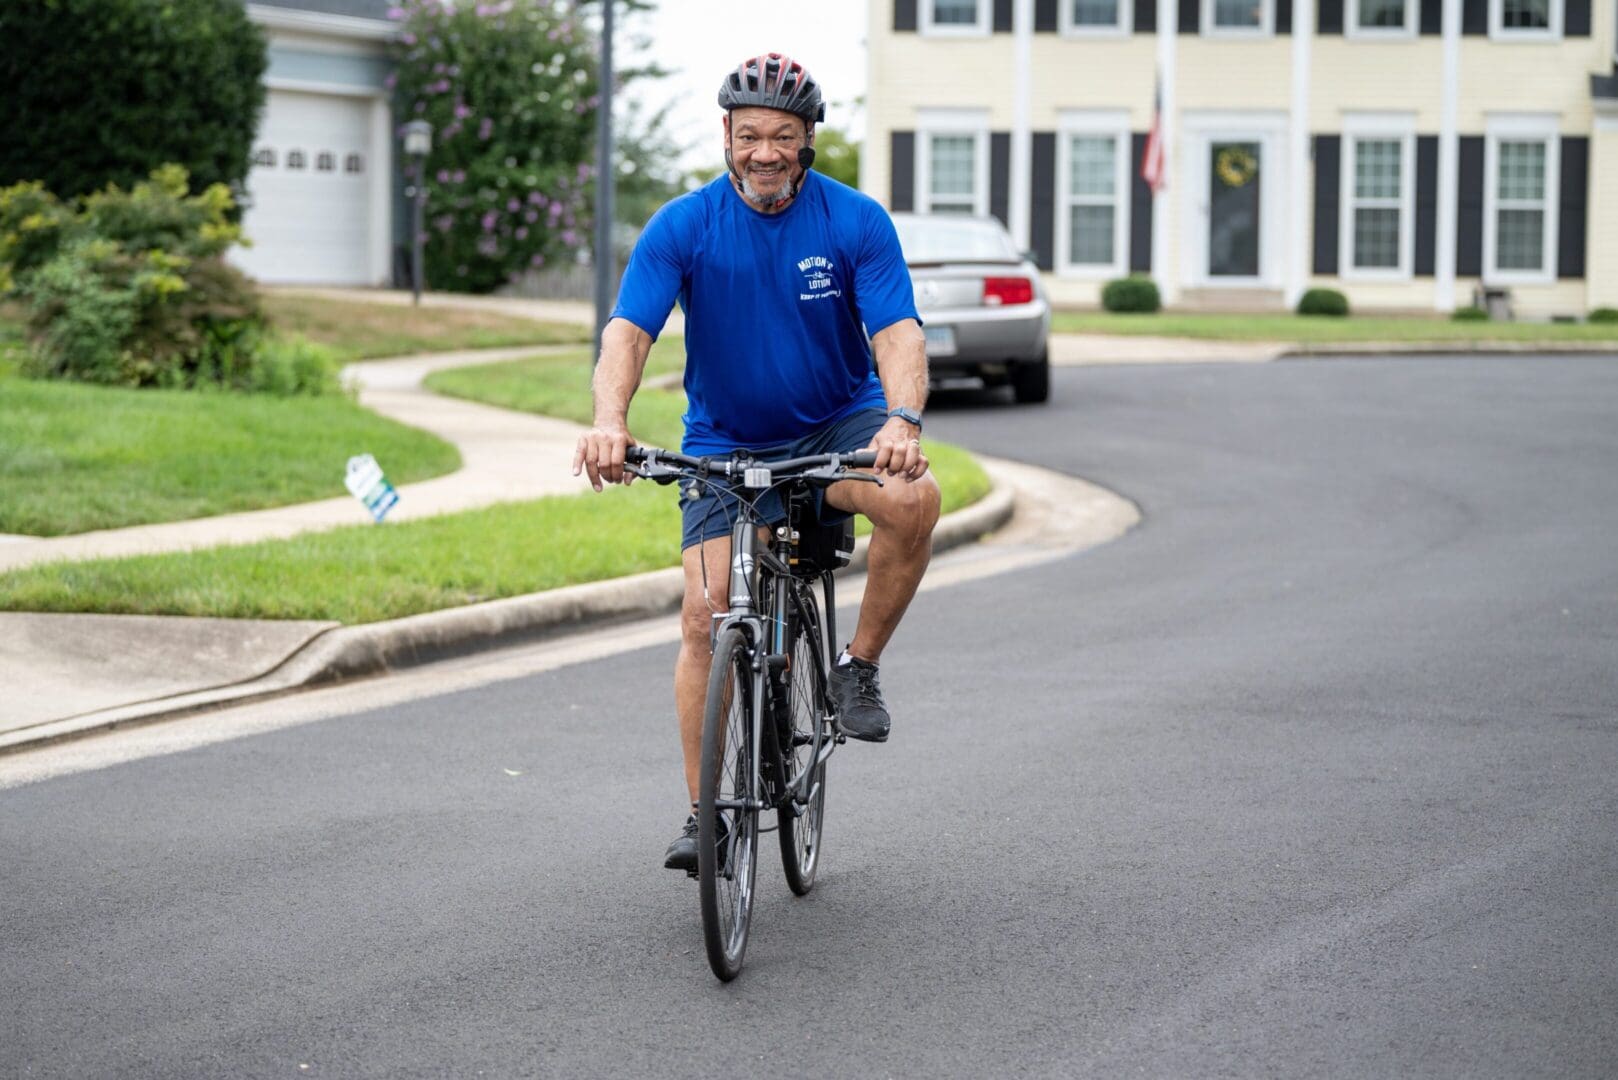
(511, 91)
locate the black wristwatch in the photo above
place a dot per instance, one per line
(909, 416)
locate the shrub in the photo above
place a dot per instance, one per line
(33, 226)
(137, 293)
(102, 92)
(1133, 293)
(1323, 302)
(1604, 315)
(510, 89)
(1470, 314)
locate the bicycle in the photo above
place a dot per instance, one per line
(769, 664)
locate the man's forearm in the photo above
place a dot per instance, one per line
(901, 358)
(624, 348)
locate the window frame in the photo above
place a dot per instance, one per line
(1102, 123)
(1125, 25)
(1382, 127)
(1265, 28)
(1410, 30)
(933, 123)
(981, 28)
(1521, 127)
(1498, 31)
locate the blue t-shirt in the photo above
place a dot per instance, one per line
(774, 306)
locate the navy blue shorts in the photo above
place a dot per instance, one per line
(707, 512)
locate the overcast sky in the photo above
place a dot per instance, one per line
(698, 41)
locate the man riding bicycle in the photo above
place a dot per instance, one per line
(790, 282)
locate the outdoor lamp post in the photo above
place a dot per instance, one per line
(418, 143)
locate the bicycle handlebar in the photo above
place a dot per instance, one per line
(733, 468)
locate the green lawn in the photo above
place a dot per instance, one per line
(364, 573)
(356, 330)
(367, 573)
(75, 457)
(1222, 326)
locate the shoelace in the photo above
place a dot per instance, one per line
(866, 691)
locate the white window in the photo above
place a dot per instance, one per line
(955, 17)
(1238, 18)
(1382, 18)
(1097, 18)
(1379, 192)
(1522, 178)
(1092, 195)
(1525, 20)
(952, 161)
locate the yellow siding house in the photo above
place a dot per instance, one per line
(1412, 153)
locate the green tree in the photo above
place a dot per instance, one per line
(102, 92)
(836, 156)
(511, 91)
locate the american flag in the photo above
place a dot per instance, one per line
(1152, 166)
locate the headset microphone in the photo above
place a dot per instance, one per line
(806, 156)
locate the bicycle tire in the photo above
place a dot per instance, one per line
(726, 875)
(806, 688)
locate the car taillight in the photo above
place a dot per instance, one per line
(1007, 290)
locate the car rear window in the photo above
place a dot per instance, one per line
(939, 239)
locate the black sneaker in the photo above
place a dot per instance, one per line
(682, 853)
(861, 712)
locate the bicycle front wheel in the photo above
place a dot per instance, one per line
(727, 826)
(800, 825)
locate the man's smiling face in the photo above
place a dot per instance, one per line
(764, 145)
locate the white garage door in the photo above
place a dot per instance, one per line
(311, 191)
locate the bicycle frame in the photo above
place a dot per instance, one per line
(752, 566)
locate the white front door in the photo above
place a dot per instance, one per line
(311, 191)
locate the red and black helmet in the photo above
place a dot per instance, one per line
(773, 81)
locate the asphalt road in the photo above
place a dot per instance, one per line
(1312, 774)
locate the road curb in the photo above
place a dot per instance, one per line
(353, 652)
(1349, 349)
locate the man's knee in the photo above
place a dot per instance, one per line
(910, 509)
(696, 620)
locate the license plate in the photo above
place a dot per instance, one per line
(940, 340)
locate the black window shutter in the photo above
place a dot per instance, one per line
(1000, 176)
(1042, 206)
(1190, 15)
(1570, 227)
(1044, 16)
(904, 15)
(1283, 16)
(1145, 16)
(1329, 17)
(1140, 210)
(1432, 17)
(1328, 174)
(1469, 208)
(902, 166)
(1576, 18)
(1475, 17)
(1426, 203)
(1002, 16)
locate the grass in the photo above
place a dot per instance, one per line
(75, 457)
(356, 330)
(1223, 326)
(365, 573)
(368, 573)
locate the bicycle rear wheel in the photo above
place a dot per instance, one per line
(806, 706)
(727, 832)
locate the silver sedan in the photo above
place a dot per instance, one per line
(983, 309)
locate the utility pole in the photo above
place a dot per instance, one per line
(605, 180)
